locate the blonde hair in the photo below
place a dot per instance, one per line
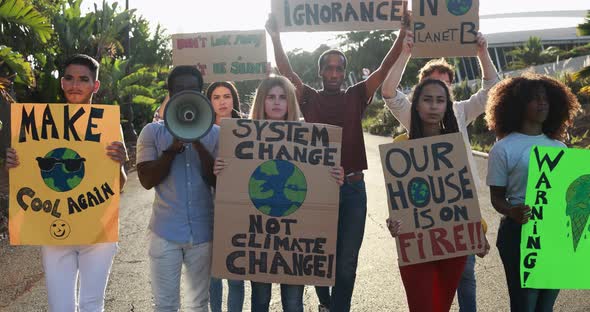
(257, 110)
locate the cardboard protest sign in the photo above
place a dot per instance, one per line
(431, 190)
(66, 189)
(337, 15)
(557, 236)
(276, 206)
(445, 28)
(223, 56)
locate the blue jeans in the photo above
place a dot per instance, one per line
(521, 299)
(235, 297)
(351, 229)
(466, 291)
(291, 297)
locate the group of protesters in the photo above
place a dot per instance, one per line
(523, 111)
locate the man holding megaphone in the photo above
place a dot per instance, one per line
(175, 156)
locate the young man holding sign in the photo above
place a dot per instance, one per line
(465, 112)
(344, 108)
(63, 264)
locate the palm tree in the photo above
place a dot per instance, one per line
(19, 19)
(530, 54)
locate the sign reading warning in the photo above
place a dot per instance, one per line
(431, 190)
(66, 189)
(223, 56)
(337, 15)
(445, 27)
(276, 206)
(557, 236)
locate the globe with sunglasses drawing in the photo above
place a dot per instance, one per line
(62, 169)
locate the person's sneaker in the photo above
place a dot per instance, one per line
(323, 308)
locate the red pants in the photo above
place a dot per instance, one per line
(431, 286)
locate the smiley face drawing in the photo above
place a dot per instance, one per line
(59, 229)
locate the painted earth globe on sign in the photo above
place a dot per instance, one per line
(277, 188)
(459, 7)
(419, 192)
(62, 169)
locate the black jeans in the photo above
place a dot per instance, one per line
(521, 299)
(351, 229)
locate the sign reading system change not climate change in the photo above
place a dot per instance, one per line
(66, 189)
(276, 206)
(431, 190)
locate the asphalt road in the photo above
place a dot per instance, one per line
(378, 286)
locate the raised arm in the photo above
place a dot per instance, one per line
(376, 78)
(476, 104)
(485, 61)
(394, 76)
(280, 56)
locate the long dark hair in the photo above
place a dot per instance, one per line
(235, 112)
(448, 123)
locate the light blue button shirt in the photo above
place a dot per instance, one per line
(182, 209)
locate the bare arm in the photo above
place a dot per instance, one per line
(485, 61)
(152, 173)
(207, 163)
(391, 82)
(118, 153)
(519, 213)
(378, 76)
(280, 55)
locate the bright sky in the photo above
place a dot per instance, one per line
(189, 16)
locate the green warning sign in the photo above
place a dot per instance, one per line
(555, 243)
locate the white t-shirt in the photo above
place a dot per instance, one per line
(508, 163)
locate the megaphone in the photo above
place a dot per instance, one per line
(189, 116)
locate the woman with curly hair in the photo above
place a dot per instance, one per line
(524, 111)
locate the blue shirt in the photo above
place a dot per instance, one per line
(183, 206)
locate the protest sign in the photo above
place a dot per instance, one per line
(430, 188)
(276, 206)
(223, 56)
(445, 28)
(337, 15)
(66, 189)
(557, 236)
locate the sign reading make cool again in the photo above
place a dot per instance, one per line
(66, 189)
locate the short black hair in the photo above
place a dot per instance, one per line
(184, 70)
(322, 59)
(84, 60)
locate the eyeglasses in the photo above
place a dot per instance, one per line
(47, 164)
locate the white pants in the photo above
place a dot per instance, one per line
(62, 264)
(166, 260)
